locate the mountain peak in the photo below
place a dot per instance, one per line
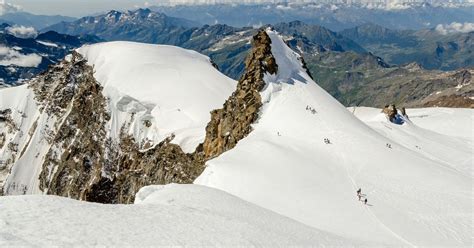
(116, 25)
(316, 35)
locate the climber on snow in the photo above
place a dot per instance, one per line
(359, 194)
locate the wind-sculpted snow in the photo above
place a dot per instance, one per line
(169, 88)
(307, 155)
(172, 215)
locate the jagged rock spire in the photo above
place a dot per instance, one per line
(232, 123)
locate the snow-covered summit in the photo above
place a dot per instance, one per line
(169, 88)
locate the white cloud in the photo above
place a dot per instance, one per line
(145, 5)
(8, 7)
(10, 56)
(455, 27)
(22, 31)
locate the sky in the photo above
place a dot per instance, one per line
(76, 8)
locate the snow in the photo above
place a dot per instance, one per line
(455, 122)
(416, 197)
(47, 43)
(32, 146)
(172, 87)
(172, 215)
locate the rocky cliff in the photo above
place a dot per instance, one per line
(232, 123)
(83, 161)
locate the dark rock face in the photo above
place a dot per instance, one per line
(2, 140)
(84, 163)
(130, 169)
(232, 123)
(6, 118)
(70, 92)
(390, 111)
(5, 115)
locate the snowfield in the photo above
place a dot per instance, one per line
(441, 134)
(456, 122)
(416, 197)
(179, 215)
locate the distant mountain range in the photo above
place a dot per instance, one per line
(32, 20)
(226, 45)
(141, 25)
(381, 4)
(366, 80)
(23, 58)
(428, 47)
(347, 64)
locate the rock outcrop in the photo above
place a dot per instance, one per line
(5, 118)
(83, 162)
(390, 111)
(77, 154)
(394, 115)
(232, 123)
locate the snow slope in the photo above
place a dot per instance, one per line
(441, 134)
(284, 165)
(33, 145)
(174, 88)
(172, 215)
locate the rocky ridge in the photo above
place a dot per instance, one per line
(232, 123)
